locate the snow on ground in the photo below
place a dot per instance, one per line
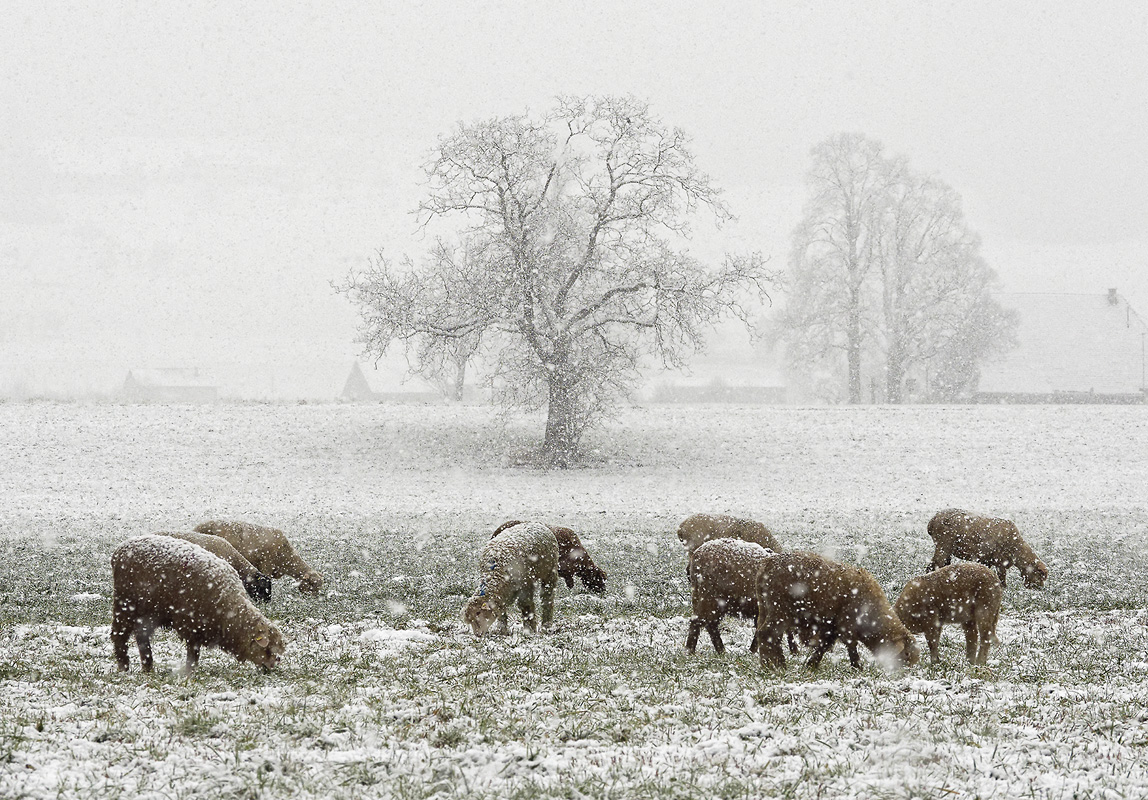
(383, 693)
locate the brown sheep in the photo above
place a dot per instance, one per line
(966, 594)
(257, 584)
(573, 560)
(511, 564)
(993, 542)
(163, 582)
(701, 528)
(724, 581)
(268, 550)
(826, 601)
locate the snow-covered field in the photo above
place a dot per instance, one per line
(382, 693)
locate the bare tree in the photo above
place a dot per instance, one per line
(570, 265)
(885, 267)
(834, 251)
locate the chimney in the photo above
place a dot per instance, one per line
(1112, 298)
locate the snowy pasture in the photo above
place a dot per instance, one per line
(383, 693)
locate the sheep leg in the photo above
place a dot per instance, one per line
(547, 596)
(715, 635)
(769, 644)
(696, 625)
(933, 638)
(792, 642)
(526, 606)
(971, 642)
(1001, 570)
(121, 633)
(825, 643)
(503, 625)
(941, 558)
(192, 656)
(854, 656)
(143, 641)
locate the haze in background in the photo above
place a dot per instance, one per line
(179, 186)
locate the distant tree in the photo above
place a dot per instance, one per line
(884, 267)
(986, 330)
(834, 252)
(569, 266)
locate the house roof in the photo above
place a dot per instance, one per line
(170, 377)
(1070, 343)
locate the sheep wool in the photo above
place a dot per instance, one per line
(724, 581)
(163, 582)
(257, 584)
(268, 549)
(511, 564)
(964, 594)
(991, 541)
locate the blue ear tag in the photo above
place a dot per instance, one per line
(482, 588)
(493, 565)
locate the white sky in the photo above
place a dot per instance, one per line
(179, 185)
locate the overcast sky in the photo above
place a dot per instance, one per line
(181, 183)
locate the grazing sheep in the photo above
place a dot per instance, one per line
(724, 581)
(968, 595)
(701, 528)
(573, 560)
(268, 550)
(257, 584)
(163, 582)
(511, 564)
(826, 601)
(993, 542)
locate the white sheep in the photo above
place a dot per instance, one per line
(162, 582)
(511, 564)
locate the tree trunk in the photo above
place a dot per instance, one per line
(562, 429)
(853, 347)
(895, 373)
(459, 380)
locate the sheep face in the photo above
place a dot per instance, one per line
(1035, 575)
(594, 580)
(898, 652)
(480, 614)
(266, 646)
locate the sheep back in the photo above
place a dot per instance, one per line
(511, 563)
(268, 549)
(257, 584)
(698, 529)
(573, 560)
(991, 541)
(160, 581)
(825, 601)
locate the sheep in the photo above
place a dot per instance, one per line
(257, 584)
(511, 564)
(966, 594)
(826, 601)
(701, 528)
(163, 582)
(724, 581)
(573, 560)
(993, 542)
(268, 550)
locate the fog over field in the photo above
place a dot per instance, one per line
(179, 188)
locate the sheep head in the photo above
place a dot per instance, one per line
(266, 646)
(311, 583)
(1035, 575)
(480, 613)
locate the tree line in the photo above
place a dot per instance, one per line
(567, 267)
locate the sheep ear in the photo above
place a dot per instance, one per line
(262, 639)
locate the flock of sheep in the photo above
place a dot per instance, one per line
(201, 585)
